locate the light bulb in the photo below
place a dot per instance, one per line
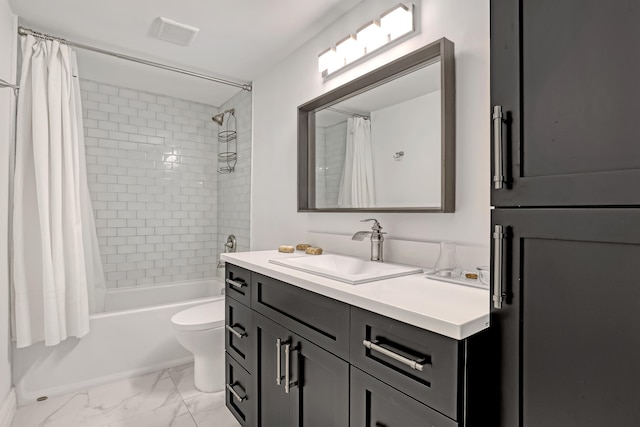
(371, 36)
(397, 21)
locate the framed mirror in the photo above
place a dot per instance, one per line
(384, 142)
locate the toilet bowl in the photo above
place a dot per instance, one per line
(200, 330)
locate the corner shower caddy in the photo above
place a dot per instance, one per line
(227, 142)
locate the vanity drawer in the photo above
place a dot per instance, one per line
(239, 394)
(238, 332)
(321, 320)
(237, 282)
(422, 364)
(374, 403)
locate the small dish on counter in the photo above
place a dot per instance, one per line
(465, 278)
(483, 274)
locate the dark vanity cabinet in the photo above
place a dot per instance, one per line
(377, 404)
(566, 228)
(565, 99)
(424, 364)
(315, 361)
(239, 345)
(569, 336)
(301, 379)
(297, 382)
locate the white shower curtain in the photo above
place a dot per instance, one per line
(57, 271)
(356, 185)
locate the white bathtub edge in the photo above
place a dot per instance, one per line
(26, 398)
(8, 408)
(120, 345)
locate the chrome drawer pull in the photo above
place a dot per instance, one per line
(234, 332)
(413, 364)
(235, 283)
(278, 368)
(498, 243)
(287, 357)
(235, 393)
(499, 178)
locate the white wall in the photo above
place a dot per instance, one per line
(413, 179)
(8, 31)
(296, 80)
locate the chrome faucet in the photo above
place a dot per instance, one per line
(376, 239)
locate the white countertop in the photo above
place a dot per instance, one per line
(455, 311)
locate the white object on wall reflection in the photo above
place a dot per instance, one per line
(398, 155)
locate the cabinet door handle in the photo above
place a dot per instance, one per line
(413, 364)
(287, 358)
(498, 177)
(232, 329)
(278, 362)
(235, 283)
(498, 245)
(235, 393)
(287, 366)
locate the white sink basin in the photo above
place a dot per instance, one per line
(346, 269)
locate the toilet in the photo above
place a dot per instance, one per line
(200, 330)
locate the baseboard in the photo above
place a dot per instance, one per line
(8, 409)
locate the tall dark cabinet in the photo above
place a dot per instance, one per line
(565, 95)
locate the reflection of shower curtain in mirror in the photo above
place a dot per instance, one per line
(56, 260)
(356, 185)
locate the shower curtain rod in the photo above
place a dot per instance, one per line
(349, 113)
(26, 31)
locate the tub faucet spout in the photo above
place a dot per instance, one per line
(377, 239)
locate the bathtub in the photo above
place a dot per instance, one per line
(132, 337)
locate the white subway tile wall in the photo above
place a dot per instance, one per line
(330, 160)
(152, 171)
(234, 194)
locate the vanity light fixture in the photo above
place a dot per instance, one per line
(397, 22)
(372, 36)
(349, 48)
(392, 25)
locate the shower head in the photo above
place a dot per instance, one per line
(219, 118)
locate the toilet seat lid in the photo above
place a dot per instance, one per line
(204, 316)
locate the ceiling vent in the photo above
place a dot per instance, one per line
(175, 32)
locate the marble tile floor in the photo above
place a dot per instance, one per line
(165, 398)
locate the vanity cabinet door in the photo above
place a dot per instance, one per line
(239, 393)
(566, 76)
(318, 381)
(319, 390)
(237, 283)
(271, 406)
(238, 332)
(420, 363)
(322, 320)
(569, 343)
(375, 404)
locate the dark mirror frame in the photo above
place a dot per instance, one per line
(441, 50)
